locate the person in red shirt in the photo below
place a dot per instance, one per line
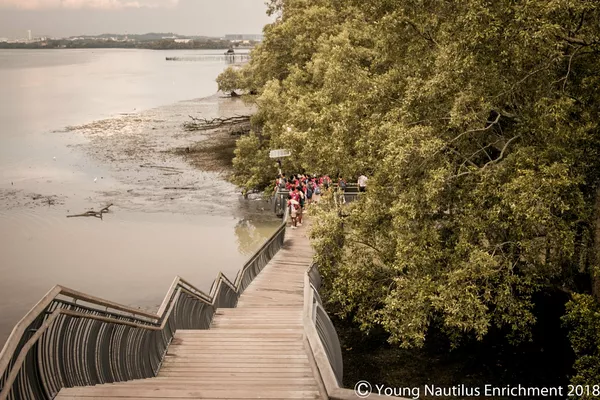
(299, 196)
(295, 195)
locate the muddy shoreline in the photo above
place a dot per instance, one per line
(150, 163)
(174, 212)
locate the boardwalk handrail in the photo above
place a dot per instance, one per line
(71, 339)
(350, 194)
(323, 341)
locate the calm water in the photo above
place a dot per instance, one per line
(133, 254)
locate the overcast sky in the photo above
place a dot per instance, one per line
(90, 17)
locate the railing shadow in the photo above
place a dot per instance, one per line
(71, 339)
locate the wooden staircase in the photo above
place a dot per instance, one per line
(257, 350)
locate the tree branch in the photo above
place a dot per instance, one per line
(428, 120)
(580, 21)
(477, 130)
(566, 78)
(368, 245)
(512, 88)
(425, 35)
(500, 157)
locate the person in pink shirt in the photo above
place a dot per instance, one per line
(294, 206)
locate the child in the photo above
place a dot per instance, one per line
(294, 206)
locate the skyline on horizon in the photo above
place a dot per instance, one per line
(56, 18)
(29, 34)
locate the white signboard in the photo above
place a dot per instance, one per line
(279, 153)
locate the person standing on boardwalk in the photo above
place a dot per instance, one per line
(280, 184)
(309, 192)
(301, 199)
(342, 189)
(362, 183)
(293, 206)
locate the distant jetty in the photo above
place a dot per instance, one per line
(213, 57)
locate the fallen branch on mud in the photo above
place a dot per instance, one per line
(204, 124)
(92, 213)
(163, 168)
(180, 188)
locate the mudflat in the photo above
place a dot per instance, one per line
(173, 211)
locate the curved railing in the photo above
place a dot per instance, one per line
(323, 342)
(72, 339)
(324, 327)
(280, 202)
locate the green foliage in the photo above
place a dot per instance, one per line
(477, 122)
(251, 156)
(138, 42)
(583, 320)
(229, 80)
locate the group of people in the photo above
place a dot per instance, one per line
(305, 189)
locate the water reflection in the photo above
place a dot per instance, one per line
(151, 234)
(251, 236)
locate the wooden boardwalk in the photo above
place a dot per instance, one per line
(257, 350)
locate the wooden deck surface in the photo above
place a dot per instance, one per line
(256, 350)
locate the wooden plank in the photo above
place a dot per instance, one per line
(66, 397)
(242, 379)
(274, 310)
(242, 368)
(292, 347)
(272, 332)
(269, 320)
(237, 340)
(257, 326)
(189, 394)
(200, 344)
(216, 383)
(208, 360)
(266, 354)
(233, 375)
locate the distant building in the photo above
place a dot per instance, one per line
(29, 35)
(242, 37)
(3, 40)
(183, 40)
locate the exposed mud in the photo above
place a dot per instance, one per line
(162, 167)
(10, 199)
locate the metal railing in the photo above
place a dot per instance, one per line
(323, 342)
(280, 202)
(325, 328)
(72, 339)
(351, 193)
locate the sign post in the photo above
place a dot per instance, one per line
(279, 154)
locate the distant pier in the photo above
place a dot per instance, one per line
(212, 57)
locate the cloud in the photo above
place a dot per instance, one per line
(86, 4)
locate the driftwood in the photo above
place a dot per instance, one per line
(204, 124)
(92, 213)
(180, 188)
(163, 168)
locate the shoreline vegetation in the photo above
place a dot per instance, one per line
(163, 44)
(474, 256)
(152, 41)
